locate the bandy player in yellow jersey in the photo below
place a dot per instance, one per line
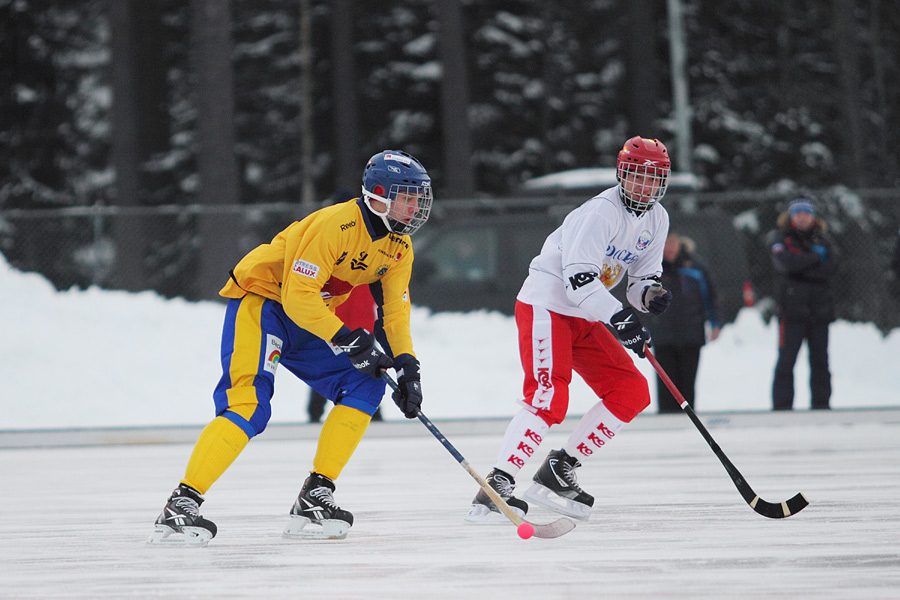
(280, 312)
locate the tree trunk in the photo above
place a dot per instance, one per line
(307, 186)
(641, 66)
(217, 167)
(139, 128)
(347, 139)
(458, 179)
(845, 33)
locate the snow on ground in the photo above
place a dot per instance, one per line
(95, 358)
(668, 522)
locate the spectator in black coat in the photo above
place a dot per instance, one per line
(805, 260)
(679, 333)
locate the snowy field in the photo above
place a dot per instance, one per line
(668, 522)
(94, 358)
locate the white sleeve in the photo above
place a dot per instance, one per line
(647, 270)
(585, 239)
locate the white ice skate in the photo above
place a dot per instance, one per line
(326, 529)
(196, 537)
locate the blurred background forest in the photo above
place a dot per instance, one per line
(147, 144)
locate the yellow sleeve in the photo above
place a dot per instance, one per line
(306, 270)
(395, 287)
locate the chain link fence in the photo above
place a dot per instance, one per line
(187, 250)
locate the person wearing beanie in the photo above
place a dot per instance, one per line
(805, 260)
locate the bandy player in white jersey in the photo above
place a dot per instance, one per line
(561, 314)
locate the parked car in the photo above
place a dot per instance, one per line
(474, 254)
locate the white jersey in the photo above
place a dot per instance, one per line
(590, 253)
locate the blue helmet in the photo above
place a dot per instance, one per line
(398, 181)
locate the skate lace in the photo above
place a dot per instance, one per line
(188, 506)
(324, 496)
(503, 486)
(568, 473)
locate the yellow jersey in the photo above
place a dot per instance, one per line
(311, 267)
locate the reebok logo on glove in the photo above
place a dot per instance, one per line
(625, 323)
(360, 348)
(351, 346)
(631, 333)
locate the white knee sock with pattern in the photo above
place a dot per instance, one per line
(596, 428)
(523, 435)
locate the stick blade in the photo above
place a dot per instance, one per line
(779, 511)
(557, 528)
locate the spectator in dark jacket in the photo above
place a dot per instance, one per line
(680, 332)
(805, 260)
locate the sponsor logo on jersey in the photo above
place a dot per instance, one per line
(398, 240)
(582, 279)
(273, 353)
(381, 271)
(307, 269)
(643, 241)
(359, 263)
(346, 226)
(622, 255)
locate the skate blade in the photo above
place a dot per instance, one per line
(481, 514)
(329, 529)
(544, 496)
(191, 537)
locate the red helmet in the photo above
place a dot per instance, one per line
(642, 169)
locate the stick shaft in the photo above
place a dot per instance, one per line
(766, 509)
(498, 501)
(551, 530)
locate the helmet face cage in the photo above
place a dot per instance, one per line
(400, 182)
(408, 207)
(641, 186)
(642, 170)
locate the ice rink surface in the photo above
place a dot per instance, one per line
(668, 522)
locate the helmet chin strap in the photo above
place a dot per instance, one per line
(367, 196)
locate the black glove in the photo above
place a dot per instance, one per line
(359, 345)
(408, 396)
(630, 331)
(656, 298)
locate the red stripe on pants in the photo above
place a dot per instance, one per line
(552, 345)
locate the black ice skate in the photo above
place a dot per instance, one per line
(555, 487)
(484, 510)
(315, 505)
(182, 515)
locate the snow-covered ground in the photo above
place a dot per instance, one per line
(94, 358)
